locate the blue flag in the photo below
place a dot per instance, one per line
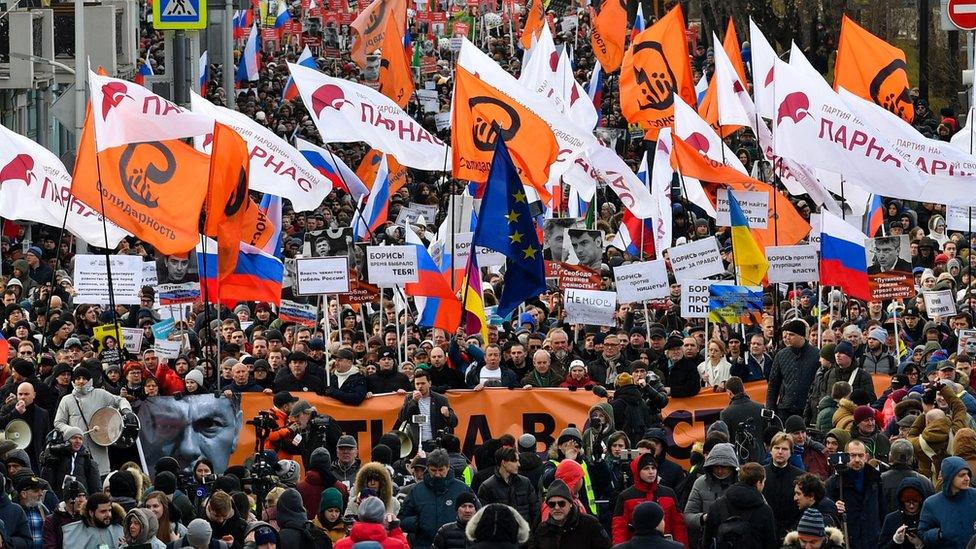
(505, 225)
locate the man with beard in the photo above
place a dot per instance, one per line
(29, 493)
(100, 524)
(611, 363)
(877, 359)
(562, 353)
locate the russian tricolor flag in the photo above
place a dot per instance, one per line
(243, 19)
(282, 16)
(204, 73)
(842, 259)
(636, 236)
(875, 218)
(145, 69)
(638, 22)
(333, 168)
(595, 90)
(375, 212)
(306, 60)
(438, 305)
(701, 88)
(250, 62)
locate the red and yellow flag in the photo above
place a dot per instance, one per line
(786, 226)
(153, 190)
(609, 34)
(708, 109)
(871, 68)
(480, 115)
(370, 27)
(656, 66)
(534, 19)
(396, 78)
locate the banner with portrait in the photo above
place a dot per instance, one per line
(889, 261)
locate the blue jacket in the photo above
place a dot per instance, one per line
(16, 532)
(865, 508)
(428, 508)
(948, 520)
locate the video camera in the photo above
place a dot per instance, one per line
(264, 421)
(201, 488)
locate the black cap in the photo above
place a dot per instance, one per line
(80, 371)
(674, 342)
(298, 356)
(27, 482)
(388, 352)
(272, 335)
(658, 332)
(282, 398)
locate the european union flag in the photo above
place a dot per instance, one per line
(505, 225)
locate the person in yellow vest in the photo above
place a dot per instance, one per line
(591, 475)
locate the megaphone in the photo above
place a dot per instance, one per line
(17, 432)
(406, 435)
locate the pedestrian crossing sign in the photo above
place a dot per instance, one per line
(179, 14)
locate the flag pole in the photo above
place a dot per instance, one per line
(640, 257)
(57, 262)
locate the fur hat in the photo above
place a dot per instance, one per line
(499, 524)
(862, 413)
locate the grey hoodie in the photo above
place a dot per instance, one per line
(149, 527)
(708, 488)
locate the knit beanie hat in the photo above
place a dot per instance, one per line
(198, 532)
(811, 524)
(372, 510)
(122, 484)
(796, 326)
(624, 378)
(646, 459)
(845, 348)
(879, 334)
(863, 412)
(646, 517)
(570, 433)
(465, 497)
(331, 498)
(382, 454)
(195, 375)
(165, 482)
(827, 352)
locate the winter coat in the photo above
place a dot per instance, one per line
(791, 377)
(892, 479)
(531, 466)
(79, 464)
(876, 443)
(348, 388)
(835, 540)
(76, 410)
(373, 470)
(708, 488)
(579, 531)
(653, 540)
(684, 379)
(937, 435)
(629, 499)
(388, 381)
(53, 536)
(608, 429)
(291, 520)
(451, 536)
(82, 534)
(865, 509)
(844, 415)
(311, 488)
(741, 409)
(668, 471)
(819, 389)
(743, 500)
(149, 526)
(600, 368)
(38, 420)
(631, 414)
(16, 533)
(335, 532)
(367, 531)
(897, 517)
(947, 519)
(518, 493)
(778, 491)
(965, 446)
(861, 381)
(814, 458)
(428, 507)
(825, 414)
(437, 420)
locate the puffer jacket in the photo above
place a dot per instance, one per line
(428, 507)
(825, 413)
(791, 377)
(578, 531)
(743, 500)
(708, 488)
(518, 493)
(451, 536)
(947, 519)
(844, 414)
(367, 531)
(629, 499)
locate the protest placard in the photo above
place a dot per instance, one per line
(132, 340)
(695, 297)
(175, 294)
(150, 277)
(428, 100)
(442, 121)
(735, 304)
(167, 349)
(889, 263)
(696, 260)
(392, 265)
(939, 303)
(299, 313)
(755, 206)
(641, 281)
(163, 328)
(967, 342)
(91, 279)
(793, 263)
(960, 218)
(592, 307)
(486, 257)
(322, 275)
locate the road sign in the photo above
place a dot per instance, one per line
(962, 13)
(179, 14)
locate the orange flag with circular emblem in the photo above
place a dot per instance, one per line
(871, 68)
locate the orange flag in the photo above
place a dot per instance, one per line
(655, 66)
(785, 227)
(708, 109)
(370, 27)
(609, 34)
(231, 216)
(534, 19)
(153, 190)
(481, 113)
(370, 164)
(871, 68)
(396, 78)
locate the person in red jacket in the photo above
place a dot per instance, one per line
(170, 383)
(647, 488)
(373, 526)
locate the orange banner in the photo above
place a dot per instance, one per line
(396, 79)
(534, 20)
(871, 68)
(609, 34)
(370, 27)
(370, 164)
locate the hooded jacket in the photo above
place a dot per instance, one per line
(708, 488)
(608, 429)
(629, 499)
(835, 539)
(368, 471)
(17, 533)
(291, 519)
(898, 517)
(668, 471)
(965, 447)
(319, 477)
(148, 527)
(83, 534)
(743, 500)
(518, 492)
(947, 519)
(429, 506)
(370, 531)
(77, 409)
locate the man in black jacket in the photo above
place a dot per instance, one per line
(860, 499)
(387, 379)
(422, 401)
(451, 535)
(794, 368)
(567, 527)
(744, 418)
(297, 377)
(346, 383)
(744, 499)
(778, 487)
(508, 487)
(38, 419)
(219, 512)
(605, 369)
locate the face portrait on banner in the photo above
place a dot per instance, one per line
(328, 242)
(555, 247)
(888, 254)
(189, 428)
(586, 248)
(177, 268)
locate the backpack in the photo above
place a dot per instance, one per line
(734, 533)
(314, 538)
(637, 418)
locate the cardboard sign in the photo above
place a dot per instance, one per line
(793, 263)
(960, 218)
(428, 100)
(641, 281)
(91, 276)
(592, 307)
(359, 293)
(442, 121)
(167, 349)
(939, 303)
(301, 314)
(486, 257)
(322, 275)
(695, 297)
(392, 265)
(132, 340)
(755, 206)
(696, 260)
(149, 274)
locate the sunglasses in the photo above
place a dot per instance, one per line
(557, 504)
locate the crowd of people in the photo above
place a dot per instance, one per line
(865, 438)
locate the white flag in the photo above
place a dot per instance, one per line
(125, 112)
(813, 125)
(661, 177)
(550, 74)
(276, 167)
(35, 186)
(692, 129)
(763, 63)
(346, 112)
(730, 109)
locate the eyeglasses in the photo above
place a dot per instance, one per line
(557, 503)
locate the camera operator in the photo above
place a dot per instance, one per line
(67, 459)
(314, 431)
(435, 408)
(283, 429)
